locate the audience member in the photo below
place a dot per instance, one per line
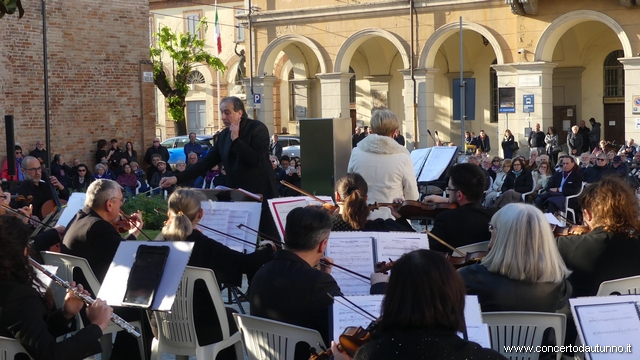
(40, 153)
(192, 146)
(129, 153)
(18, 175)
(82, 181)
(158, 149)
(562, 184)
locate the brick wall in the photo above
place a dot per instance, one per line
(98, 51)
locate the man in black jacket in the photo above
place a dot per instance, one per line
(594, 134)
(243, 150)
(289, 288)
(583, 130)
(156, 149)
(562, 184)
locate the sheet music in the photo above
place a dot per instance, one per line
(394, 245)
(344, 316)
(281, 207)
(353, 251)
(418, 157)
(312, 201)
(616, 323)
(238, 217)
(74, 204)
(225, 217)
(437, 162)
(479, 333)
(472, 310)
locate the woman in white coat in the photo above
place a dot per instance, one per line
(385, 165)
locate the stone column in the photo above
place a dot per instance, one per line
(334, 89)
(631, 91)
(262, 85)
(425, 79)
(410, 117)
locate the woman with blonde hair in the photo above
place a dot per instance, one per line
(351, 195)
(384, 164)
(523, 270)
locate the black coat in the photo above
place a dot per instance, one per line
(599, 256)
(572, 185)
(25, 318)
(381, 225)
(246, 160)
(521, 184)
(500, 293)
(574, 142)
(469, 224)
(596, 173)
(89, 236)
(160, 150)
(289, 290)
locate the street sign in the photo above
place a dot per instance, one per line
(527, 103)
(507, 100)
(257, 98)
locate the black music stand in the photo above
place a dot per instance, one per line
(234, 294)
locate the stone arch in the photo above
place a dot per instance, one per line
(267, 60)
(429, 52)
(205, 70)
(354, 41)
(554, 31)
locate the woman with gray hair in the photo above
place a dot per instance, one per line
(384, 164)
(523, 270)
(574, 141)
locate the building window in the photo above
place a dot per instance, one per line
(240, 30)
(614, 75)
(191, 20)
(195, 77)
(493, 98)
(152, 29)
(352, 86)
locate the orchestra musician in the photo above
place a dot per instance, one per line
(28, 314)
(468, 223)
(290, 288)
(422, 311)
(35, 186)
(351, 195)
(610, 250)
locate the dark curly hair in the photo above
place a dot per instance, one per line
(14, 265)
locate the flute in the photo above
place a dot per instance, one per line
(86, 298)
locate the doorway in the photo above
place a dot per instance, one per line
(564, 117)
(613, 123)
(196, 116)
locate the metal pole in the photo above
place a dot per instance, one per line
(416, 140)
(47, 125)
(255, 113)
(462, 90)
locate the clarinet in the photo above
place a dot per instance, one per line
(86, 298)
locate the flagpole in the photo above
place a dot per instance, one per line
(218, 37)
(218, 93)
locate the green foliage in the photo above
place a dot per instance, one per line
(152, 219)
(10, 7)
(185, 50)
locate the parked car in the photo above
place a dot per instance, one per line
(290, 145)
(175, 145)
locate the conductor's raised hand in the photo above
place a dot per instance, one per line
(168, 181)
(99, 313)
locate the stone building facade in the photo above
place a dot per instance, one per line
(577, 59)
(98, 55)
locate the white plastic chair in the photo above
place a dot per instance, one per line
(66, 263)
(481, 246)
(176, 329)
(523, 329)
(138, 185)
(9, 348)
(567, 209)
(274, 340)
(524, 195)
(624, 286)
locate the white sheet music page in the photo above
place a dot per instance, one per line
(418, 157)
(280, 208)
(354, 251)
(437, 162)
(74, 204)
(226, 216)
(394, 245)
(609, 321)
(348, 315)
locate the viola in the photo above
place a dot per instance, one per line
(20, 198)
(351, 339)
(412, 209)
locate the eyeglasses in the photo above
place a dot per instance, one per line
(35, 169)
(82, 170)
(122, 200)
(273, 161)
(516, 164)
(18, 152)
(491, 227)
(451, 189)
(601, 159)
(155, 141)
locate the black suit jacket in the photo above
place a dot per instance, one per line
(25, 318)
(289, 290)
(89, 236)
(469, 224)
(245, 159)
(572, 185)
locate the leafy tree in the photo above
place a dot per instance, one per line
(185, 50)
(10, 7)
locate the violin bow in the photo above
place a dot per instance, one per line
(261, 235)
(361, 311)
(126, 218)
(293, 187)
(16, 212)
(445, 244)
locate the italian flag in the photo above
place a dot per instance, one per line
(216, 32)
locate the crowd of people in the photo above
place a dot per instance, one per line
(526, 269)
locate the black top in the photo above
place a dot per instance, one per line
(289, 290)
(468, 224)
(160, 150)
(536, 139)
(41, 193)
(89, 236)
(522, 184)
(417, 345)
(596, 173)
(599, 256)
(100, 154)
(500, 293)
(25, 318)
(42, 154)
(246, 160)
(381, 225)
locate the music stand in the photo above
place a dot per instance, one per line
(224, 194)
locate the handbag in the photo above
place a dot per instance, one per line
(556, 149)
(514, 146)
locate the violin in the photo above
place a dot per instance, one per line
(123, 223)
(469, 259)
(383, 267)
(325, 204)
(20, 198)
(351, 339)
(570, 230)
(412, 209)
